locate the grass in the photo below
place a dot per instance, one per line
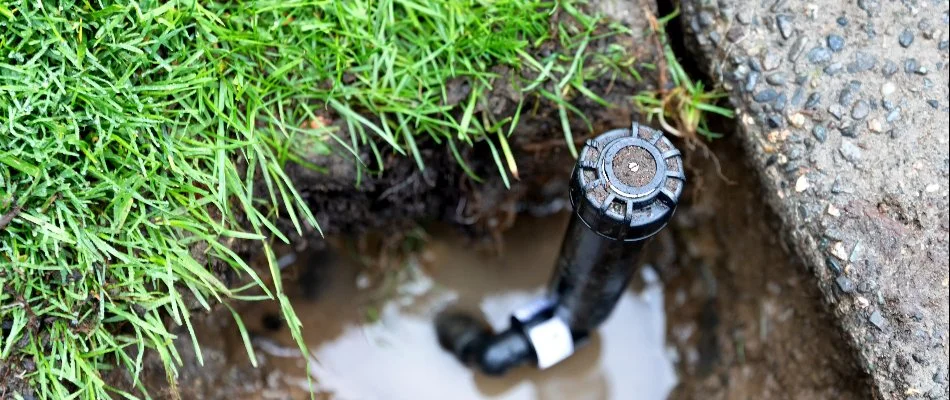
(682, 108)
(132, 136)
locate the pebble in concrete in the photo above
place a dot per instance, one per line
(835, 43)
(906, 38)
(878, 320)
(860, 110)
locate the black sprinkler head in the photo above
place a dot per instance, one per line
(624, 189)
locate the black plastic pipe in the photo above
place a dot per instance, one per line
(624, 189)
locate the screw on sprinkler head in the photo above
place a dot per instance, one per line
(624, 189)
(627, 182)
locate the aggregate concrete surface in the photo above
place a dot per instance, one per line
(843, 108)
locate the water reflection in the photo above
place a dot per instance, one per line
(396, 356)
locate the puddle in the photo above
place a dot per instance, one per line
(366, 348)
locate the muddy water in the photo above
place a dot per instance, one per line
(378, 341)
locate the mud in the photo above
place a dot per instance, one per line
(374, 338)
(740, 318)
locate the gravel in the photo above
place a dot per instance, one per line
(889, 68)
(780, 102)
(845, 284)
(861, 110)
(878, 320)
(833, 69)
(893, 115)
(836, 110)
(906, 38)
(771, 60)
(888, 88)
(910, 65)
(835, 43)
(797, 47)
(777, 79)
(765, 95)
(751, 81)
(820, 133)
(863, 61)
(850, 151)
(813, 101)
(819, 55)
(842, 21)
(785, 25)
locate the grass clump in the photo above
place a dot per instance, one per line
(681, 104)
(133, 136)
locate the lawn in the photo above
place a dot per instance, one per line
(134, 136)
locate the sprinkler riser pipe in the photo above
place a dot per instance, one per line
(624, 189)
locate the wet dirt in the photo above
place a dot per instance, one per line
(376, 340)
(737, 318)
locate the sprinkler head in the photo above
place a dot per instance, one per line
(624, 190)
(627, 182)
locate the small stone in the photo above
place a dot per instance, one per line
(755, 65)
(814, 99)
(819, 55)
(833, 69)
(774, 121)
(745, 16)
(798, 96)
(847, 130)
(888, 88)
(833, 265)
(833, 211)
(751, 81)
(888, 105)
(820, 133)
(777, 79)
(706, 18)
(875, 125)
(910, 65)
(835, 43)
(845, 284)
(934, 104)
(906, 38)
(836, 110)
(863, 61)
(925, 27)
(780, 102)
(797, 120)
(869, 6)
(889, 68)
(846, 96)
(797, 48)
(801, 184)
(842, 21)
(850, 151)
(878, 320)
(715, 37)
(944, 44)
(862, 301)
(765, 95)
(838, 251)
(921, 70)
(894, 115)
(784, 25)
(861, 110)
(839, 187)
(734, 34)
(933, 187)
(771, 60)
(740, 72)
